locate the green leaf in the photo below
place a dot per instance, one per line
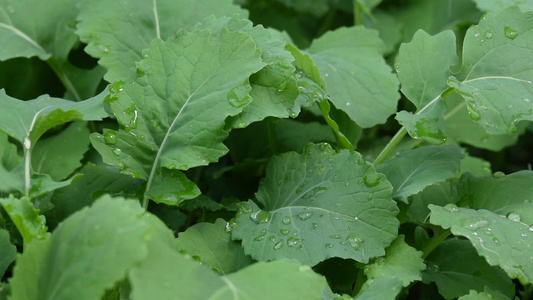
(401, 261)
(504, 242)
(21, 119)
(495, 6)
(79, 256)
(382, 288)
(427, 124)
(165, 184)
(318, 205)
(487, 294)
(156, 277)
(358, 79)
(9, 157)
(417, 210)
(274, 88)
(175, 118)
(118, 32)
(316, 8)
(495, 78)
(411, 171)
(457, 268)
(475, 166)
(423, 66)
(511, 193)
(460, 128)
(212, 245)
(293, 136)
(29, 222)
(60, 155)
(34, 28)
(8, 251)
(390, 30)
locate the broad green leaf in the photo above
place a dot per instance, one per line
(504, 242)
(457, 268)
(89, 252)
(417, 210)
(316, 8)
(165, 184)
(96, 180)
(427, 124)
(156, 277)
(460, 128)
(495, 78)
(423, 66)
(274, 88)
(495, 6)
(382, 288)
(411, 171)
(318, 205)
(46, 29)
(435, 16)
(358, 79)
(9, 157)
(118, 31)
(212, 245)
(21, 119)
(510, 194)
(174, 118)
(390, 30)
(401, 261)
(474, 165)
(30, 224)
(7, 250)
(487, 294)
(293, 136)
(60, 155)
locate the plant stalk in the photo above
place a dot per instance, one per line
(434, 242)
(27, 166)
(356, 13)
(54, 64)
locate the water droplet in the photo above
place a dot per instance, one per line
(326, 74)
(245, 208)
(496, 241)
(230, 226)
(110, 137)
(513, 217)
(293, 242)
(261, 216)
(354, 241)
(371, 180)
(304, 215)
(314, 226)
(260, 237)
(287, 220)
(299, 74)
(370, 196)
(348, 103)
(488, 35)
(284, 231)
(488, 232)
(476, 35)
(498, 174)
(117, 151)
(335, 236)
(473, 112)
(451, 207)
(328, 245)
(278, 245)
(242, 125)
(397, 68)
(510, 33)
(292, 114)
(478, 223)
(140, 72)
(433, 268)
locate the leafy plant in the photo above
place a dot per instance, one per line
(257, 149)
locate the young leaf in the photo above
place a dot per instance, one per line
(496, 74)
(512, 193)
(118, 31)
(417, 210)
(457, 268)
(79, 255)
(318, 205)
(487, 294)
(293, 136)
(411, 171)
(382, 288)
(8, 251)
(401, 261)
(212, 245)
(274, 88)
(423, 66)
(504, 242)
(60, 155)
(358, 79)
(30, 224)
(428, 124)
(174, 118)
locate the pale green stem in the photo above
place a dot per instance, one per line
(434, 242)
(356, 13)
(27, 166)
(54, 64)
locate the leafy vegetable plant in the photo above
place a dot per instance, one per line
(157, 149)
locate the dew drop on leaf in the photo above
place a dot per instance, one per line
(498, 174)
(293, 242)
(284, 231)
(230, 226)
(286, 220)
(510, 33)
(513, 217)
(261, 216)
(451, 207)
(472, 112)
(304, 215)
(328, 245)
(335, 236)
(371, 180)
(314, 226)
(117, 151)
(488, 35)
(278, 245)
(110, 137)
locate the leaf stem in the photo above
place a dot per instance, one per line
(356, 13)
(434, 242)
(27, 166)
(396, 139)
(54, 64)
(359, 281)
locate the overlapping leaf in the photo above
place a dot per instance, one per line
(8, 251)
(487, 294)
(30, 224)
(504, 242)
(174, 117)
(429, 124)
(358, 79)
(457, 268)
(118, 31)
(318, 205)
(512, 193)
(495, 6)
(410, 172)
(496, 75)
(212, 245)
(90, 251)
